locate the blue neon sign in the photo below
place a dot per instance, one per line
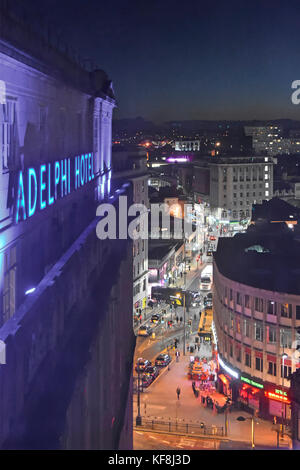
(42, 186)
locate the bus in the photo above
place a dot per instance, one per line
(206, 278)
(204, 329)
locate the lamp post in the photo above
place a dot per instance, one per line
(138, 418)
(284, 356)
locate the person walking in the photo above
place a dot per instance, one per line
(178, 392)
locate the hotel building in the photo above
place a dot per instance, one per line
(66, 296)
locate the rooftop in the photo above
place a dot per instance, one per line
(275, 209)
(267, 257)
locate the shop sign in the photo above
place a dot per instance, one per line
(251, 382)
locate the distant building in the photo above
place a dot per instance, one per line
(188, 145)
(275, 211)
(268, 140)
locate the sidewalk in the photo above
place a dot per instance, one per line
(162, 403)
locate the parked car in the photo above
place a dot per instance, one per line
(208, 300)
(162, 360)
(144, 331)
(151, 371)
(142, 364)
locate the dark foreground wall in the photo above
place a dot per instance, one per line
(67, 378)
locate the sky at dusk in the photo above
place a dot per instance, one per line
(172, 60)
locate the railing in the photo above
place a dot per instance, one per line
(182, 428)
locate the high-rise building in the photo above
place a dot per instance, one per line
(66, 295)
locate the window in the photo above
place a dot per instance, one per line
(272, 368)
(144, 285)
(259, 304)
(247, 301)
(9, 284)
(286, 310)
(246, 329)
(259, 364)
(285, 337)
(248, 359)
(297, 312)
(7, 133)
(231, 320)
(258, 331)
(238, 354)
(238, 299)
(230, 350)
(238, 324)
(286, 372)
(271, 334)
(271, 307)
(230, 295)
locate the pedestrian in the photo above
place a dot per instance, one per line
(177, 319)
(198, 346)
(178, 392)
(180, 319)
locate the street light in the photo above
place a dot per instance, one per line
(241, 418)
(284, 356)
(139, 418)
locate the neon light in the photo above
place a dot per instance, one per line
(228, 369)
(22, 204)
(63, 179)
(41, 188)
(281, 392)
(77, 173)
(274, 396)
(251, 382)
(50, 198)
(32, 208)
(178, 159)
(57, 177)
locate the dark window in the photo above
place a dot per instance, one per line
(297, 312)
(248, 359)
(272, 368)
(259, 364)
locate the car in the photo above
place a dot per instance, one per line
(142, 364)
(162, 360)
(151, 371)
(144, 331)
(155, 318)
(208, 300)
(146, 381)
